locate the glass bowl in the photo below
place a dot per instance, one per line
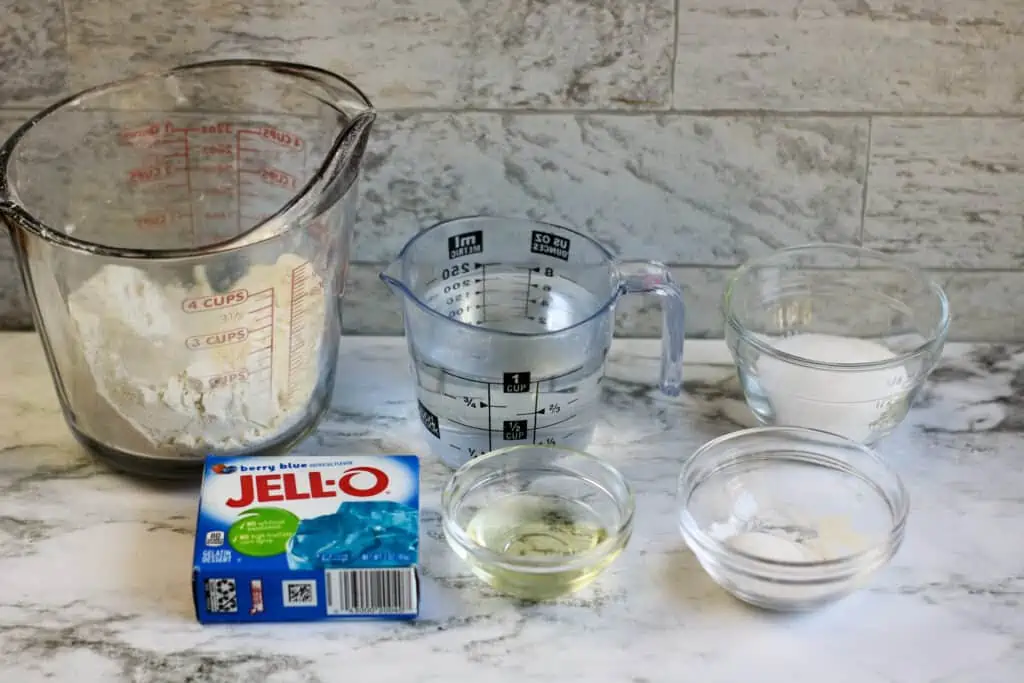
(537, 522)
(788, 518)
(833, 337)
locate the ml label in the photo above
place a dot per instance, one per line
(466, 244)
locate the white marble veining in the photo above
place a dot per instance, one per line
(681, 189)
(443, 53)
(945, 192)
(951, 56)
(94, 567)
(33, 52)
(14, 305)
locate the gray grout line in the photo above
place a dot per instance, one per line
(709, 113)
(729, 268)
(865, 189)
(695, 113)
(675, 55)
(66, 13)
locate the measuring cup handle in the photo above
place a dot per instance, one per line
(650, 277)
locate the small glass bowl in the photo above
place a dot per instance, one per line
(537, 522)
(833, 337)
(790, 519)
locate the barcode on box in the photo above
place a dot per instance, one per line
(371, 591)
(298, 593)
(221, 596)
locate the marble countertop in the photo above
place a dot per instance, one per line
(94, 567)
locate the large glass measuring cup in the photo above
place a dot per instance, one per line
(508, 323)
(184, 237)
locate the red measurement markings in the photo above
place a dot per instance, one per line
(262, 355)
(240, 194)
(223, 149)
(297, 314)
(219, 128)
(272, 176)
(149, 130)
(145, 136)
(188, 180)
(238, 181)
(152, 221)
(281, 137)
(278, 178)
(247, 142)
(167, 133)
(150, 174)
(186, 156)
(158, 220)
(228, 378)
(215, 302)
(216, 339)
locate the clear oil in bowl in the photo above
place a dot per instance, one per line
(543, 529)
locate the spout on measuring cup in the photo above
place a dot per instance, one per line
(345, 157)
(339, 168)
(651, 277)
(392, 277)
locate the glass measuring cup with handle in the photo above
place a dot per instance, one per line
(509, 323)
(184, 237)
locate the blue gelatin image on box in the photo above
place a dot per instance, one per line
(374, 533)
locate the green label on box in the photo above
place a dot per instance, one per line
(262, 532)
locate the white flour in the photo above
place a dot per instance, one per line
(852, 404)
(190, 380)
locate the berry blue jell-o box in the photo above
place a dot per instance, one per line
(306, 538)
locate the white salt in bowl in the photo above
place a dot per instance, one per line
(790, 519)
(833, 337)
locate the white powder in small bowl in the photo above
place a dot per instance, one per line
(770, 547)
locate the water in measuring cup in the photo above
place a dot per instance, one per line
(512, 391)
